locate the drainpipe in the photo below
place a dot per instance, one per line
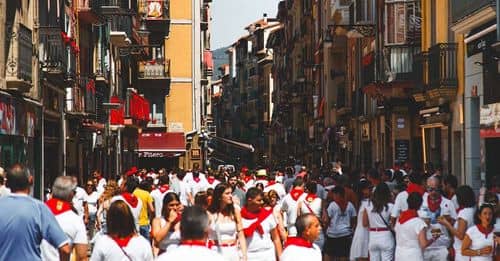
(498, 20)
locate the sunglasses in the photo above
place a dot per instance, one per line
(432, 189)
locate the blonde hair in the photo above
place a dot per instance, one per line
(112, 189)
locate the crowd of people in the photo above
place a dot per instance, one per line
(288, 213)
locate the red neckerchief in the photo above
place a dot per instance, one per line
(246, 179)
(260, 216)
(270, 183)
(177, 220)
(58, 206)
(412, 187)
(459, 209)
(194, 243)
(485, 231)
(164, 188)
(311, 197)
(296, 193)
(433, 204)
(407, 215)
(122, 242)
(196, 179)
(297, 241)
(342, 203)
(210, 180)
(131, 199)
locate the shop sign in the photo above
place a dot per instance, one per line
(402, 150)
(151, 154)
(490, 121)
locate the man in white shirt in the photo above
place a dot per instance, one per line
(80, 201)
(400, 203)
(159, 193)
(194, 234)
(302, 247)
(273, 185)
(70, 222)
(290, 203)
(101, 181)
(127, 188)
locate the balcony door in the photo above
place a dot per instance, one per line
(435, 146)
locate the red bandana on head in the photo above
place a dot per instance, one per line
(58, 206)
(164, 188)
(131, 199)
(433, 204)
(122, 242)
(296, 193)
(210, 180)
(255, 226)
(412, 187)
(407, 215)
(485, 231)
(297, 241)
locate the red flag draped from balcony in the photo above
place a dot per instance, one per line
(138, 107)
(116, 116)
(207, 59)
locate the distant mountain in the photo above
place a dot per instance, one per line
(220, 58)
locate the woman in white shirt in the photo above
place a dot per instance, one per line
(359, 246)
(226, 233)
(478, 242)
(92, 198)
(376, 217)
(411, 232)
(166, 228)
(122, 241)
(465, 219)
(310, 203)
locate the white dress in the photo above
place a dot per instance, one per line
(359, 246)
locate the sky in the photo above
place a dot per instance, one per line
(230, 17)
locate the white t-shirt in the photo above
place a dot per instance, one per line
(213, 185)
(407, 245)
(258, 242)
(195, 187)
(184, 192)
(313, 206)
(296, 253)
(340, 222)
(135, 211)
(92, 202)
(79, 199)
(73, 227)
(479, 240)
(188, 253)
(106, 249)
(467, 215)
(374, 217)
(447, 208)
(158, 200)
(101, 185)
(289, 206)
(400, 204)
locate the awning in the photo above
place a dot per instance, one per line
(161, 144)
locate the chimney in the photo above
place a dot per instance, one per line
(265, 18)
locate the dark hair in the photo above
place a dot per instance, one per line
(303, 222)
(311, 187)
(169, 197)
(194, 223)
(163, 180)
(1, 180)
(271, 176)
(18, 178)
(465, 196)
(145, 185)
(260, 186)
(339, 190)
(398, 176)
(414, 201)
(451, 180)
(381, 197)
(415, 178)
(389, 173)
(201, 199)
(217, 200)
(477, 221)
(298, 182)
(120, 220)
(131, 184)
(373, 174)
(253, 193)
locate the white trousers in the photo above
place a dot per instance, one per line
(381, 246)
(436, 254)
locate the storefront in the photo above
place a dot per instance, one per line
(161, 149)
(20, 135)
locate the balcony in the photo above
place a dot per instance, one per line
(113, 7)
(443, 70)
(19, 61)
(75, 100)
(53, 54)
(120, 30)
(157, 15)
(205, 18)
(400, 59)
(137, 110)
(154, 72)
(88, 11)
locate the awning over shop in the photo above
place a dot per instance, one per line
(161, 144)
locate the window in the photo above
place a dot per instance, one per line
(365, 10)
(403, 22)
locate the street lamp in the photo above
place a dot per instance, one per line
(108, 106)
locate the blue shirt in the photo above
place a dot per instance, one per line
(24, 222)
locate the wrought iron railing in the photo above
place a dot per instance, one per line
(420, 70)
(53, 55)
(19, 61)
(400, 61)
(154, 69)
(443, 66)
(121, 23)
